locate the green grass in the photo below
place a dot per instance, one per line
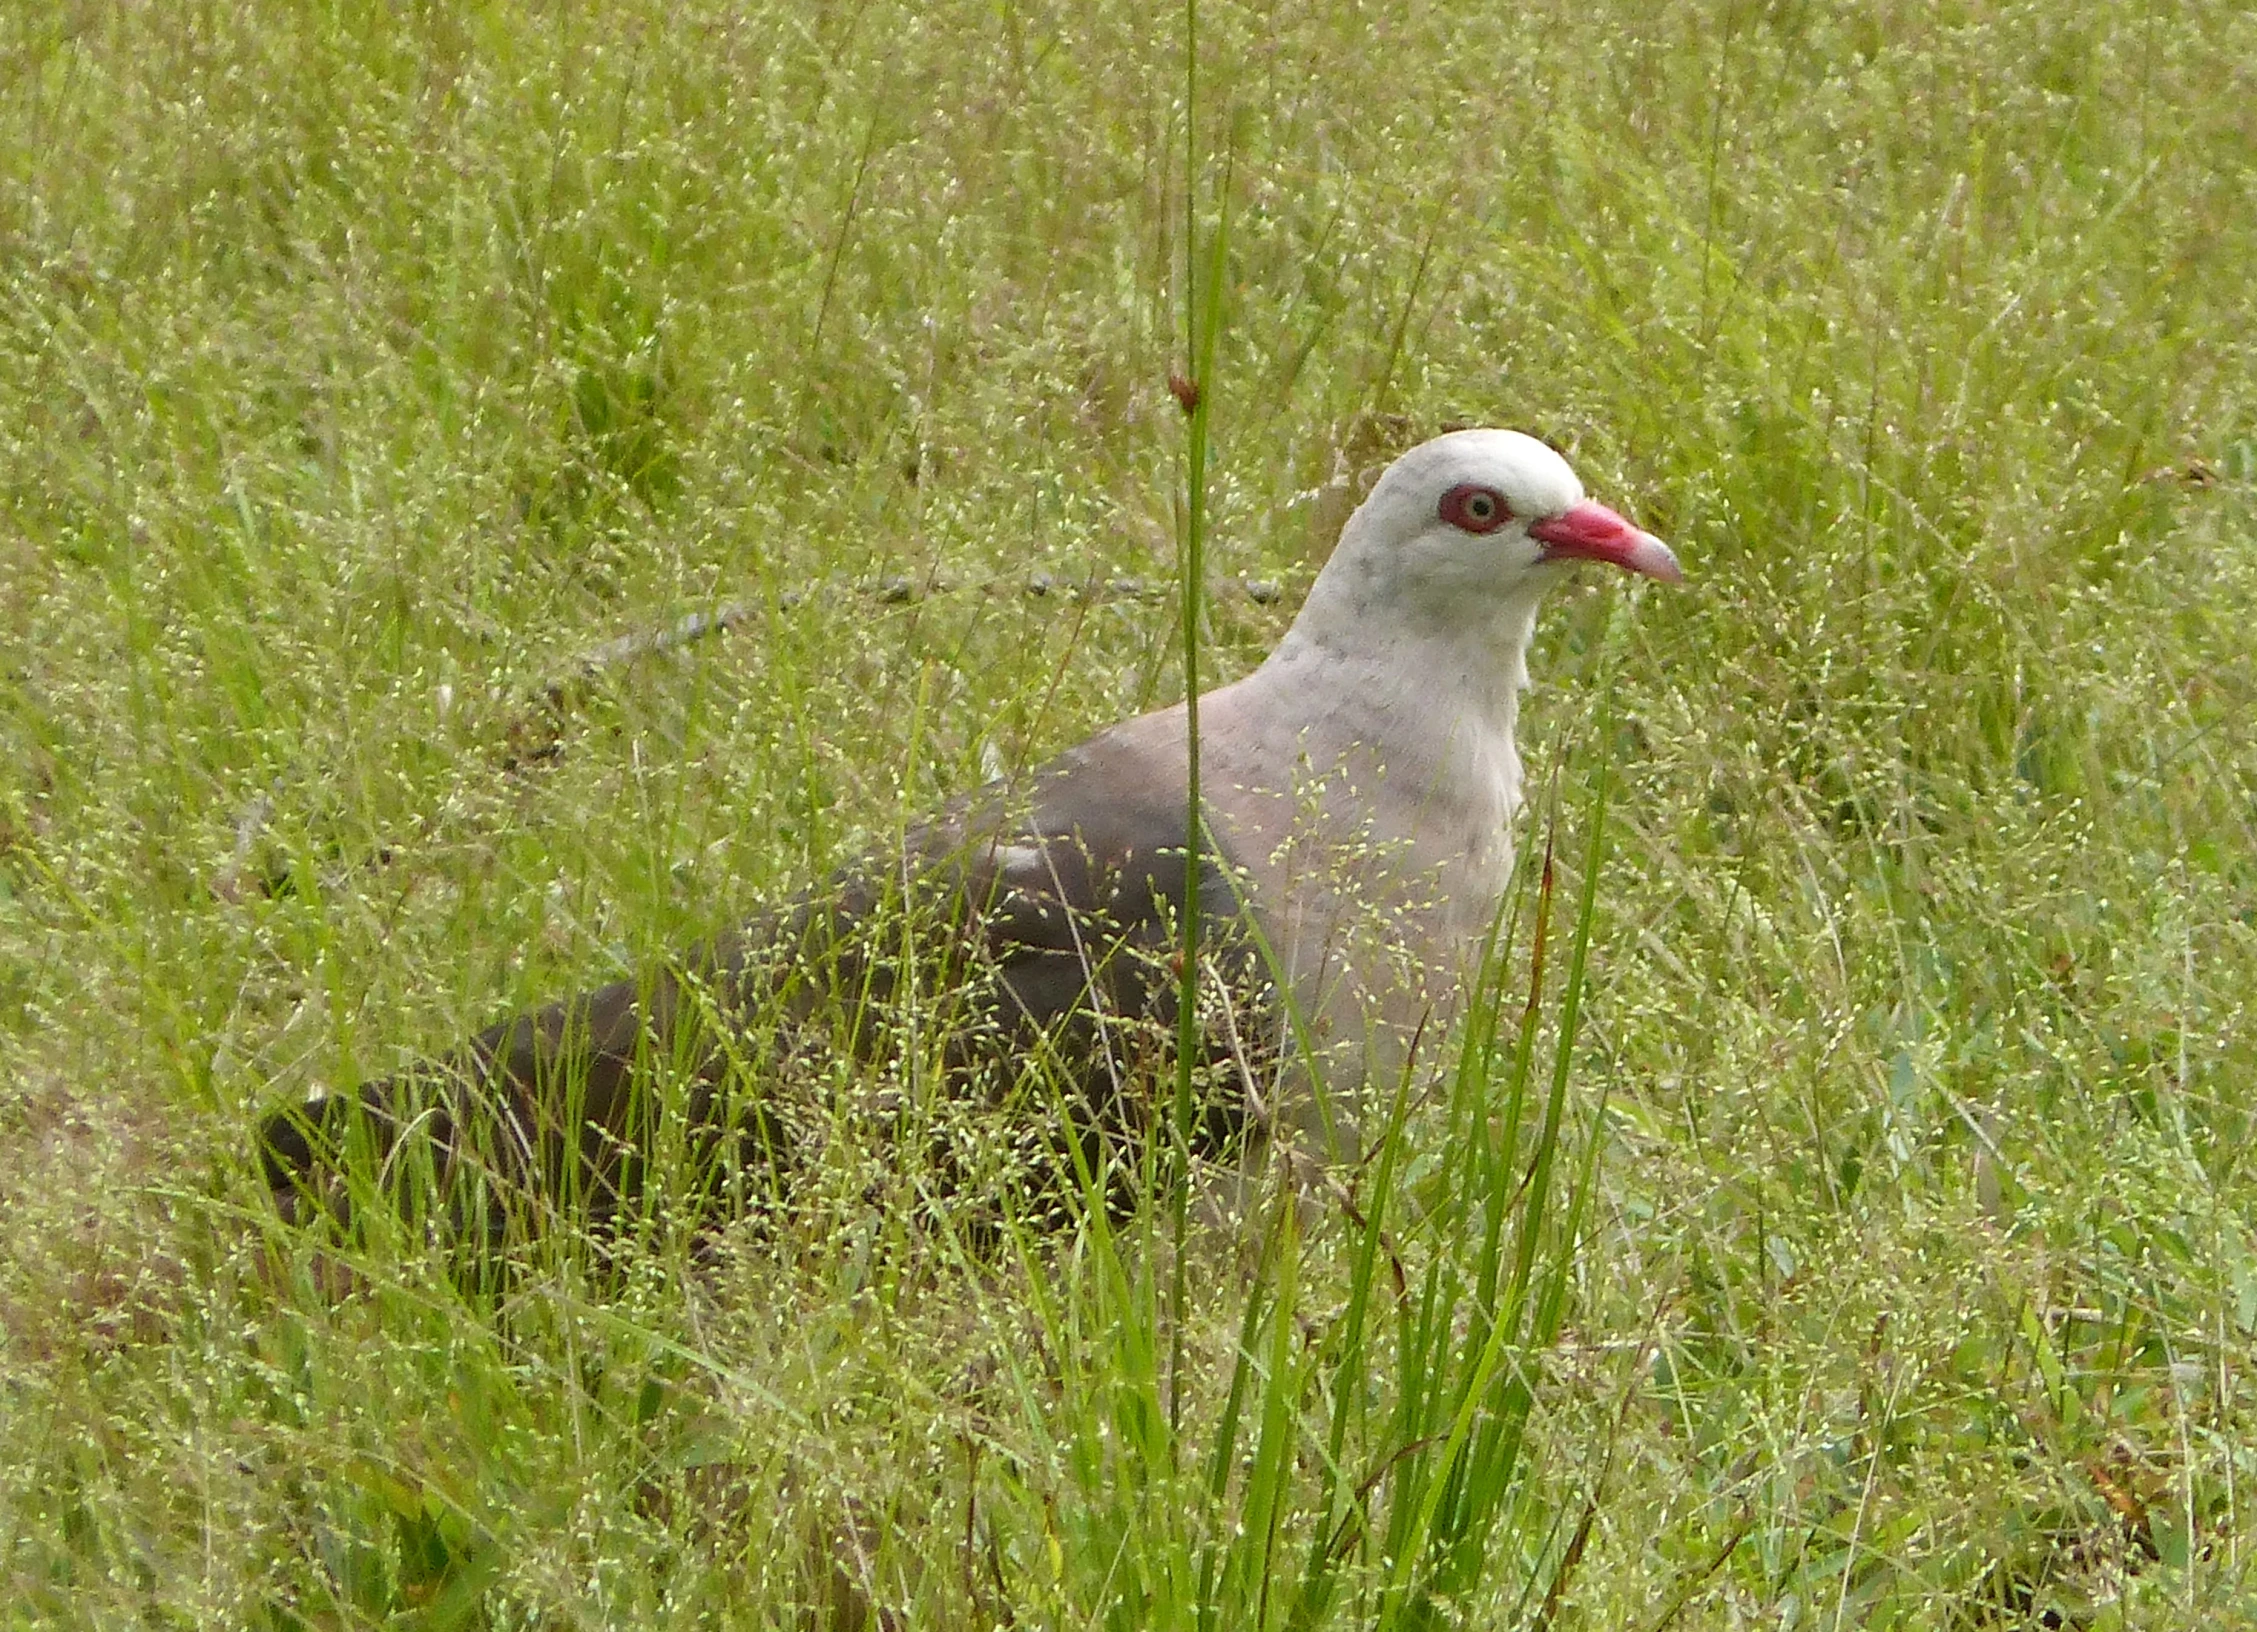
(363, 368)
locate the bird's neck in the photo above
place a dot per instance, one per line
(1416, 728)
(1418, 678)
(1430, 711)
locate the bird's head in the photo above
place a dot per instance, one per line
(1472, 527)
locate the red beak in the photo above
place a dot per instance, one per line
(1592, 532)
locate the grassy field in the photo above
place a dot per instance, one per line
(364, 369)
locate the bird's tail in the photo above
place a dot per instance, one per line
(564, 1108)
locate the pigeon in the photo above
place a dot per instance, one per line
(1021, 953)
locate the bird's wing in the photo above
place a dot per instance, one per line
(1036, 930)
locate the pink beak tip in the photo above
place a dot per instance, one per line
(1655, 559)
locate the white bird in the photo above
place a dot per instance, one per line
(1358, 790)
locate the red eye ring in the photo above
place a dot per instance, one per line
(1474, 509)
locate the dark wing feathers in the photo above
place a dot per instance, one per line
(1050, 935)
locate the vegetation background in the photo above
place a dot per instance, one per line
(365, 368)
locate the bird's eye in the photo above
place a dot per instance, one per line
(1474, 509)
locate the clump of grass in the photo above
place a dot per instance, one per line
(362, 373)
